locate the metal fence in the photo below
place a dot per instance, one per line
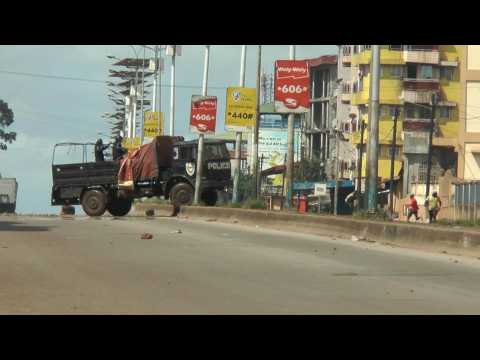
(467, 200)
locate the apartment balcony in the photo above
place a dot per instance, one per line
(346, 92)
(416, 84)
(417, 97)
(416, 124)
(427, 55)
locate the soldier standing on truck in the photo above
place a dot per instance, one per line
(117, 150)
(99, 148)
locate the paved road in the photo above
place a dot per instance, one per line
(88, 266)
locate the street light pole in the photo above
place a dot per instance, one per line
(143, 95)
(290, 155)
(133, 98)
(238, 140)
(257, 125)
(198, 178)
(172, 92)
(372, 154)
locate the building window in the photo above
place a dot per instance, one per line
(444, 112)
(367, 47)
(396, 71)
(447, 73)
(395, 47)
(426, 72)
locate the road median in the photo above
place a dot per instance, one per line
(386, 232)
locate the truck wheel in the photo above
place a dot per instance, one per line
(94, 202)
(210, 197)
(182, 194)
(119, 207)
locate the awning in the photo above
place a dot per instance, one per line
(275, 170)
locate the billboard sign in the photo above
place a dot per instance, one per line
(153, 124)
(241, 109)
(131, 143)
(273, 145)
(203, 114)
(292, 86)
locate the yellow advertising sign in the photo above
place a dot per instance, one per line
(241, 109)
(153, 124)
(131, 143)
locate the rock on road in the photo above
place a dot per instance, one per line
(103, 266)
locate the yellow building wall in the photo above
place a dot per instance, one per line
(383, 167)
(390, 92)
(385, 131)
(387, 57)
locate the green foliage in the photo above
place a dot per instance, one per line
(6, 119)
(254, 204)
(460, 222)
(246, 187)
(310, 170)
(380, 215)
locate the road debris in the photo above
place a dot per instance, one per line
(150, 212)
(176, 232)
(235, 221)
(211, 220)
(444, 252)
(455, 261)
(147, 236)
(411, 290)
(354, 238)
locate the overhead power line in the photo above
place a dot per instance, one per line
(58, 77)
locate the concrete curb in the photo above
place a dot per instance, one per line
(372, 230)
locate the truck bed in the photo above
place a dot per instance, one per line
(69, 180)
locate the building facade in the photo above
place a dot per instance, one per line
(410, 75)
(469, 125)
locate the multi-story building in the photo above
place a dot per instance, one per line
(410, 74)
(322, 122)
(469, 124)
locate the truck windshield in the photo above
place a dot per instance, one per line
(216, 151)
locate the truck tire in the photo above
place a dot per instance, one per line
(94, 202)
(210, 197)
(181, 193)
(119, 207)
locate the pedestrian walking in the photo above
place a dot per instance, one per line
(434, 204)
(412, 208)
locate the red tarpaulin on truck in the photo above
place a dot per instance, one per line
(146, 162)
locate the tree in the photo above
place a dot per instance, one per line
(6, 119)
(310, 170)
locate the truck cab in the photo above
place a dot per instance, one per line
(97, 188)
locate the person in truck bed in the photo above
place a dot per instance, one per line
(99, 148)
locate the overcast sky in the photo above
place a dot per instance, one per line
(52, 110)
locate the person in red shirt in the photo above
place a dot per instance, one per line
(412, 208)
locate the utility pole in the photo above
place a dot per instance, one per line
(256, 170)
(172, 92)
(198, 178)
(290, 149)
(238, 140)
(372, 154)
(155, 79)
(359, 167)
(392, 158)
(430, 145)
(335, 194)
(143, 96)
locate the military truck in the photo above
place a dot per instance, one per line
(8, 195)
(165, 167)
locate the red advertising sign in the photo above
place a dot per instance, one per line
(292, 86)
(203, 114)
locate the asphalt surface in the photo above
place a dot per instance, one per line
(102, 266)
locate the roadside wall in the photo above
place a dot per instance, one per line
(346, 225)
